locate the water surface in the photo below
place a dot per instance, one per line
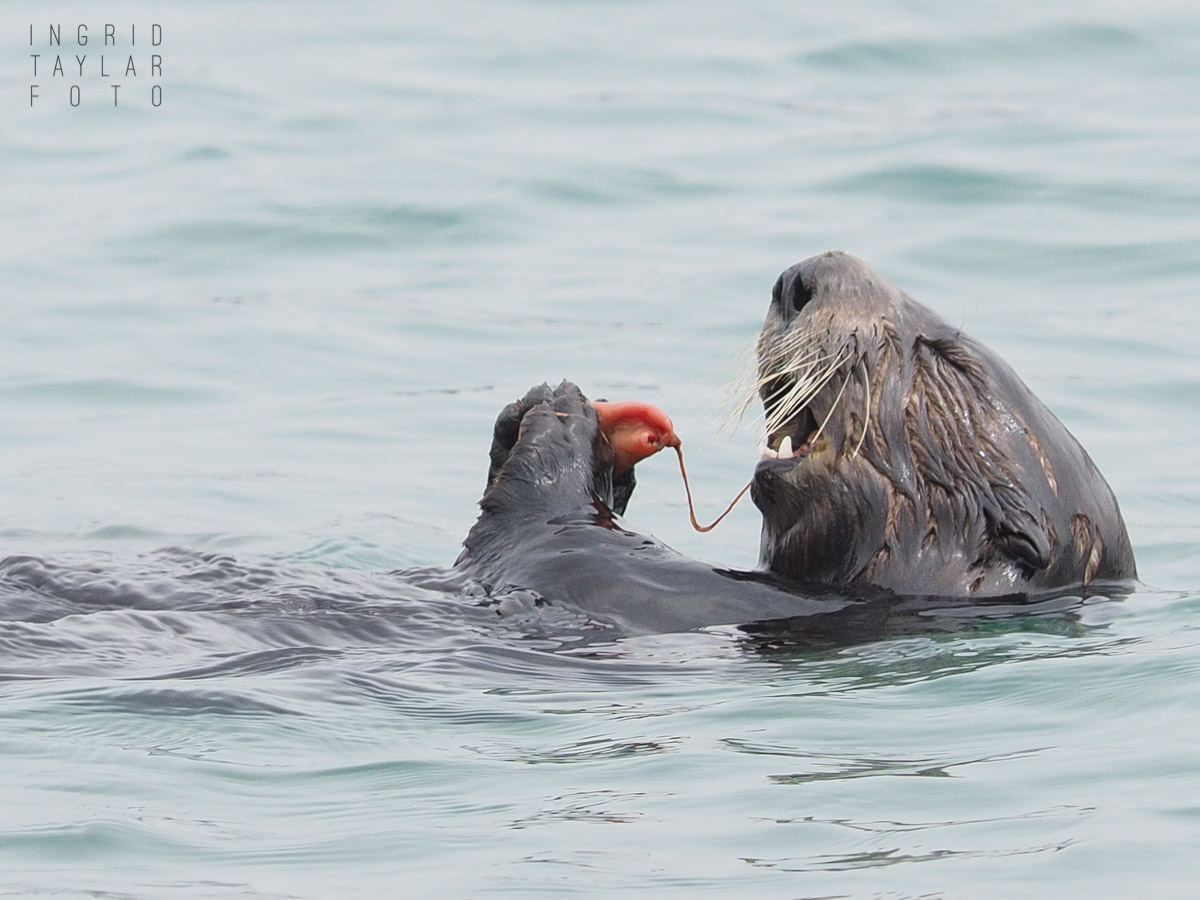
(254, 340)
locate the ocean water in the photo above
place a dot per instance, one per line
(254, 339)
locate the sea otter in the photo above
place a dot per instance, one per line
(904, 454)
(903, 460)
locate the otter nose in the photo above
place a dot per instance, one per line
(791, 294)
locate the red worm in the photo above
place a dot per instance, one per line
(637, 430)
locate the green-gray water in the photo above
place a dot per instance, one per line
(257, 336)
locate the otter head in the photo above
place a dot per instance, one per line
(900, 453)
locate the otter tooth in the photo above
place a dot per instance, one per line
(785, 447)
(765, 452)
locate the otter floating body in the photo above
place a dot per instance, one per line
(902, 453)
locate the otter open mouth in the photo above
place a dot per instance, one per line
(793, 438)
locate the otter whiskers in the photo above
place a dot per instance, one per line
(832, 407)
(805, 389)
(866, 407)
(794, 353)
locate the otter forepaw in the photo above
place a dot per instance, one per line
(549, 445)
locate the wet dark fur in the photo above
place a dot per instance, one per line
(963, 482)
(963, 496)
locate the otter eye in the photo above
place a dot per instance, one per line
(800, 294)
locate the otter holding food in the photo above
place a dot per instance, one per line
(903, 459)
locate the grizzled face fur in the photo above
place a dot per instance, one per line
(903, 454)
